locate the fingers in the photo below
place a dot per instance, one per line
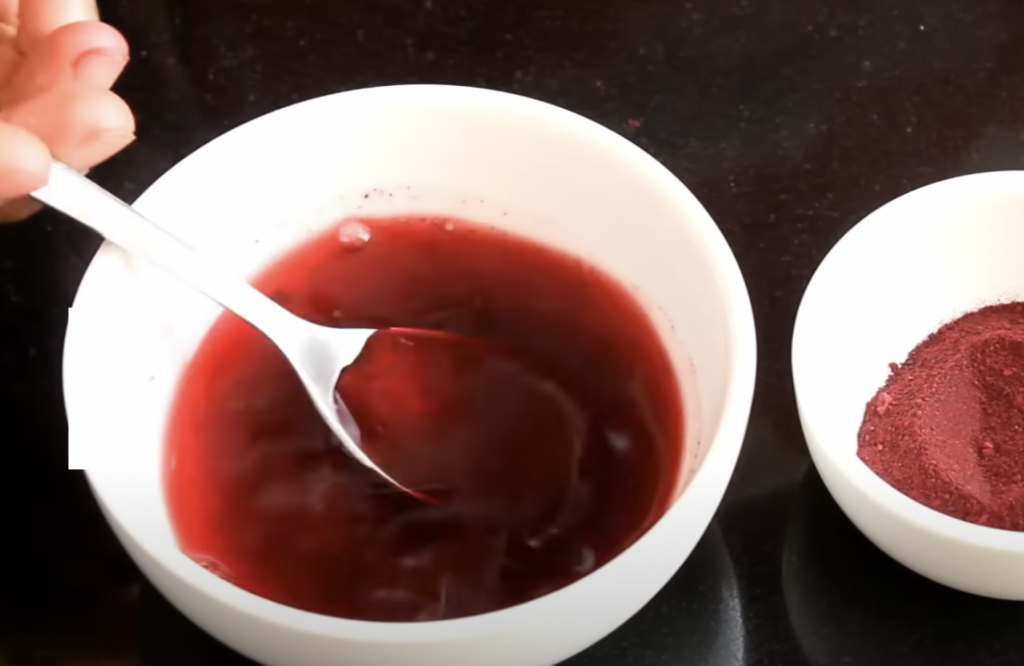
(24, 162)
(8, 20)
(82, 126)
(55, 98)
(9, 57)
(9, 12)
(99, 68)
(90, 53)
(37, 19)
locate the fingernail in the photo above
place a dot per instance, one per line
(99, 67)
(97, 148)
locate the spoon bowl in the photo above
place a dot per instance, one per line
(466, 423)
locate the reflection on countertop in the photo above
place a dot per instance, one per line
(697, 618)
(850, 603)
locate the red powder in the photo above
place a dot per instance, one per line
(947, 429)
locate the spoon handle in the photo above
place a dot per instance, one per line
(75, 195)
(315, 352)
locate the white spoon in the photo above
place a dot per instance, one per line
(317, 353)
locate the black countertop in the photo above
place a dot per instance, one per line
(789, 120)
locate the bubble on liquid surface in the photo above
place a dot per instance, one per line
(353, 235)
(539, 540)
(214, 567)
(618, 441)
(587, 561)
(415, 561)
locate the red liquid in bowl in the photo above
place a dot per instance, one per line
(259, 493)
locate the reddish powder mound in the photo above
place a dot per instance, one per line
(947, 429)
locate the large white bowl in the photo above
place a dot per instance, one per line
(499, 159)
(914, 264)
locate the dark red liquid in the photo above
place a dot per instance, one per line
(260, 494)
(464, 423)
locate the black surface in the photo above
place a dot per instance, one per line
(789, 120)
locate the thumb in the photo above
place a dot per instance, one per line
(24, 162)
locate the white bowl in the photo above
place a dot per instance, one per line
(499, 159)
(911, 266)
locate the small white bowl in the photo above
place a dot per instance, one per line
(498, 159)
(914, 264)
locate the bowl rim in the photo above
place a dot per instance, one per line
(923, 518)
(713, 475)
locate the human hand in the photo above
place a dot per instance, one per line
(57, 64)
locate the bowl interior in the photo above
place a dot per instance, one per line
(909, 267)
(497, 159)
